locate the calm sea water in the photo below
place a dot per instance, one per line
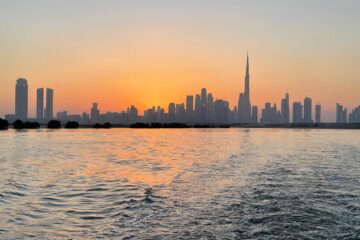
(180, 184)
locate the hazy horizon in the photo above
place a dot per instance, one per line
(151, 53)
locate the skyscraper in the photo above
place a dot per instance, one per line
(297, 112)
(49, 103)
(308, 110)
(189, 108)
(285, 109)
(341, 114)
(254, 114)
(244, 105)
(203, 107)
(95, 113)
(171, 111)
(197, 108)
(317, 113)
(203, 97)
(210, 108)
(40, 104)
(21, 99)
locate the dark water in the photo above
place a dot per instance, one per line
(180, 184)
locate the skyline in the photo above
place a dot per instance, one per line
(146, 54)
(206, 109)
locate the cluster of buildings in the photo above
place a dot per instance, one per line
(342, 116)
(43, 114)
(200, 108)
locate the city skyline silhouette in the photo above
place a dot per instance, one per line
(200, 108)
(147, 54)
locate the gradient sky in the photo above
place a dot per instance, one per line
(148, 53)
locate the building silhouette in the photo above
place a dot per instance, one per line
(285, 109)
(308, 110)
(270, 114)
(244, 105)
(297, 112)
(189, 108)
(341, 114)
(318, 113)
(21, 99)
(354, 116)
(40, 104)
(49, 112)
(171, 112)
(254, 114)
(210, 111)
(201, 108)
(95, 113)
(197, 108)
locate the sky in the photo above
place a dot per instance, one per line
(146, 53)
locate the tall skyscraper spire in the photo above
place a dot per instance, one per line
(244, 105)
(247, 79)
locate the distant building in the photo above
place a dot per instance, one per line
(95, 113)
(132, 114)
(62, 116)
(318, 113)
(11, 118)
(354, 116)
(180, 114)
(171, 111)
(85, 118)
(254, 114)
(40, 104)
(210, 111)
(285, 109)
(221, 108)
(297, 112)
(203, 107)
(244, 105)
(197, 108)
(308, 110)
(341, 114)
(270, 114)
(21, 99)
(49, 113)
(189, 108)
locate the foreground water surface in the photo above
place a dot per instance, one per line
(180, 184)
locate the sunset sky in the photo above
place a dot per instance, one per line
(146, 53)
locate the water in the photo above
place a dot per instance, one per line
(180, 184)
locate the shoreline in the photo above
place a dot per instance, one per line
(203, 126)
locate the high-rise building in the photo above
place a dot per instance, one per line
(270, 114)
(40, 104)
(285, 109)
(318, 113)
(189, 108)
(297, 112)
(203, 107)
(132, 114)
(203, 97)
(197, 108)
(341, 114)
(221, 109)
(308, 110)
(354, 116)
(210, 108)
(171, 111)
(95, 113)
(49, 113)
(254, 114)
(244, 105)
(21, 99)
(180, 114)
